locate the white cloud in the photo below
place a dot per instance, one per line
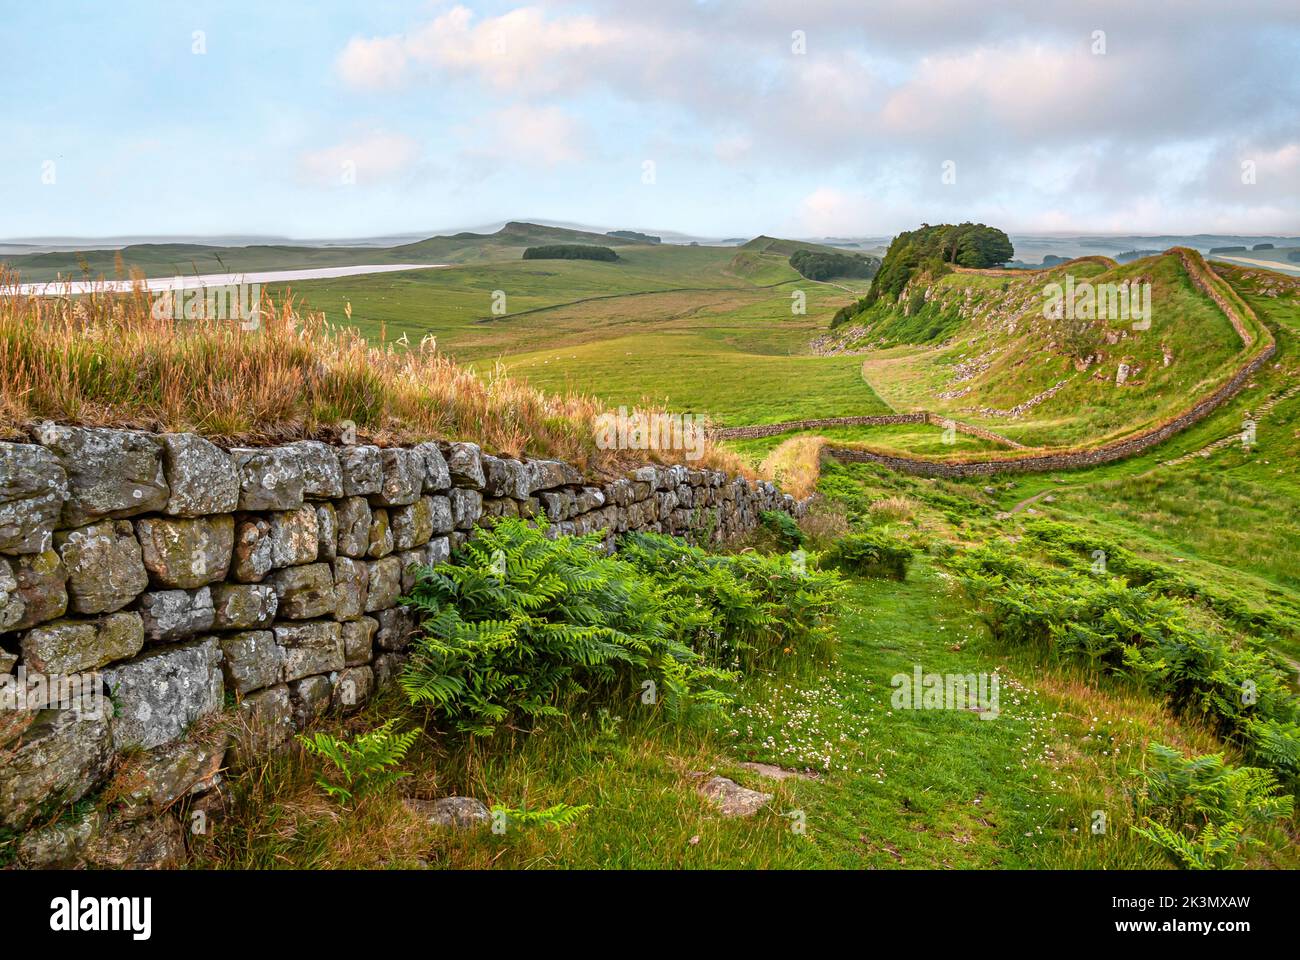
(528, 136)
(370, 158)
(520, 50)
(377, 63)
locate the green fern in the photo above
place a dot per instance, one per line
(1202, 811)
(560, 815)
(364, 765)
(520, 623)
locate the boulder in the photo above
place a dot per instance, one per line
(558, 505)
(201, 477)
(104, 565)
(266, 725)
(440, 515)
(11, 604)
(460, 813)
(243, 606)
(731, 799)
(465, 464)
(327, 531)
(403, 477)
(253, 550)
(160, 694)
(310, 697)
(62, 845)
(466, 507)
(436, 475)
(151, 781)
(412, 524)
(438, 551)
(174, 614)
(155, 843)
(363, 470)
(111, 473)
(358, 640)
(388, 667)
(353, 517)
(397, 627)
(351, 582)
(546, 474)
(311, 647)
(294, 537)
(322, 476)
(70, 646)
(380, 539)
(186, 552)
(40, 589)
(304, 592)
(353, 688)
(61, 757)
(505, 478)
(251, 660)
(270, 478)
(385, 583)
(412, 561)
(33, 485)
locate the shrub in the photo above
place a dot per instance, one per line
(570, 251)
(871, 554)
(1136, 632)
(822, 265)
(518, 623)
(784, 527)
(1201, 811)
(365, 764)
(744, 609)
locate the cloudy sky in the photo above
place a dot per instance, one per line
(808, 118)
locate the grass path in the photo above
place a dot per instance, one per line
(890, 788)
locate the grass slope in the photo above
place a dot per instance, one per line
(169, 259)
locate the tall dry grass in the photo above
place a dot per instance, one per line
(104, 359)
(795, 465)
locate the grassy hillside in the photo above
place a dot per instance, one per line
(169, 259)
(975, 345)
(708, 330)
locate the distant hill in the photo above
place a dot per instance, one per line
(634, 236)
(170, 259)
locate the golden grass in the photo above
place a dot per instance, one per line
(104, 359)
(893, 509)
(795, 465)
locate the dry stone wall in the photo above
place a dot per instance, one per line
(181, 579)
(1070, 460)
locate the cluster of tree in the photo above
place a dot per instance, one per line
(634, 236)
(1262, 246)
(570, 251)
(934, 249)
(1128, 256)
(816, 265)
(1227, 249)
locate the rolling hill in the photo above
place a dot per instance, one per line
(170, 259)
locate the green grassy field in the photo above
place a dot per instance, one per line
(884, 788)
(707, 330)
(169, 259)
